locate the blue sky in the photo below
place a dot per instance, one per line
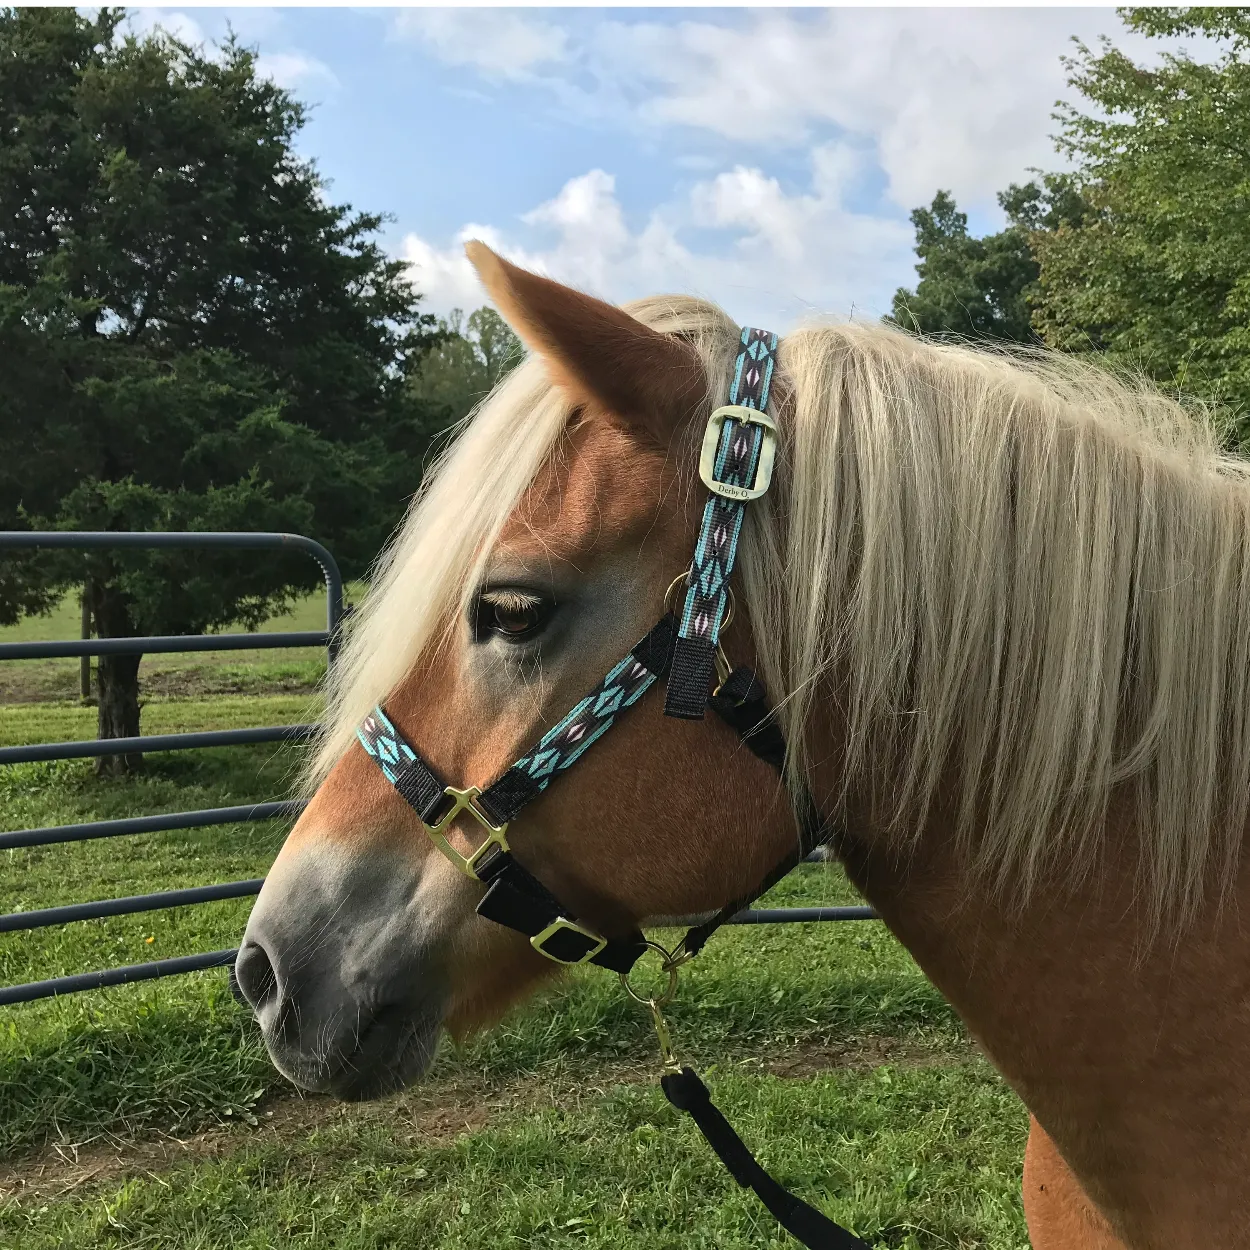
(764, 158)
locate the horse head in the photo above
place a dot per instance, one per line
(539, 555)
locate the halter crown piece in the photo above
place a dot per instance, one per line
(736, 465)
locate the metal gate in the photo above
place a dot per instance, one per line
(328, 638)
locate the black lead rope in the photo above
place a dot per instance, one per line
(813, 1228)
(741, 702)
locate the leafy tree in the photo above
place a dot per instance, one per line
(193, 336)
(1157, 274)
(465, 363)
(981, 288)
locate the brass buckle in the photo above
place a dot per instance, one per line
(465, 802)
(711, 444)
(560, 925)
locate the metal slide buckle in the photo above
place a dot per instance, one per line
(464, 802)
(561, 925)
(711, 445)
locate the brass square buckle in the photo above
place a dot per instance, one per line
(465, 802)
(560, 925)
(711, 445)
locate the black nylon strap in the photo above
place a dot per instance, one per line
(516, 899)
(814, 1229)
(696, 938)
(742, 703)
(420, 786)
(655, 651)
(502, 799)
(694, 666)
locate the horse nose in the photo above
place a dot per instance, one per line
(311, 1021)
(254, 978)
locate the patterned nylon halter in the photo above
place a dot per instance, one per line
(736, 465)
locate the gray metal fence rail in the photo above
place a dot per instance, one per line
(328, 638)
(25, 920)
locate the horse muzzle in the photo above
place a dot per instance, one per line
(336, 965)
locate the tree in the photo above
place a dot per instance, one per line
(1157, 274)
(981, 288)
(193, 335)
(460, 369)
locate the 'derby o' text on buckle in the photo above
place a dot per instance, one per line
(711, 448)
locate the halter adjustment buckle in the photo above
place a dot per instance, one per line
(465, 801)
(711, 447)
(561, 925)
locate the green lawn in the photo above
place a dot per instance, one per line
(195, 673)
(148, 1116)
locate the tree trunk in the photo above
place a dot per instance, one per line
(84, 664)
(117, 681)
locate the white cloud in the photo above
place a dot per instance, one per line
(953, 98)
(499, 43)
(786, 255)
(181, 25)
(943, 97)
(294, 69)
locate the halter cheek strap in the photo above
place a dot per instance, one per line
(736, 466)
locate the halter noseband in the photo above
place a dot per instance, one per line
(736, 465)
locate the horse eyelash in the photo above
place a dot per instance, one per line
(510, 600)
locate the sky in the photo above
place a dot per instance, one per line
(766, 159)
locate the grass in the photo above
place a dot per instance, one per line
(193, 674)
(149, 1115)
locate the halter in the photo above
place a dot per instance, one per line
(736, 465)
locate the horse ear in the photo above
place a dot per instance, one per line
(597, 353)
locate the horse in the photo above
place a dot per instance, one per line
(1001, 604)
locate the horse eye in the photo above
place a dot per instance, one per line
(510, 614)
(515, 620)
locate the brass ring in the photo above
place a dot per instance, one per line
(679, 580)
(669, 965)
(684, 578)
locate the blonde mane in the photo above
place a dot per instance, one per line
(1017, 572)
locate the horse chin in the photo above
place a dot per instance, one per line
(393, 1052)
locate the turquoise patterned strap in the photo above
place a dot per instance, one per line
(738, 456)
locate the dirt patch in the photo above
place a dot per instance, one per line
(66, 1166)
(438, 1112)
(863, 1053)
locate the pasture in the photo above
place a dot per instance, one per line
(149, 1115)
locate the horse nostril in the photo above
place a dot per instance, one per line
(254, 975)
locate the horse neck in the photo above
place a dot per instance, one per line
(1120, 1037)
